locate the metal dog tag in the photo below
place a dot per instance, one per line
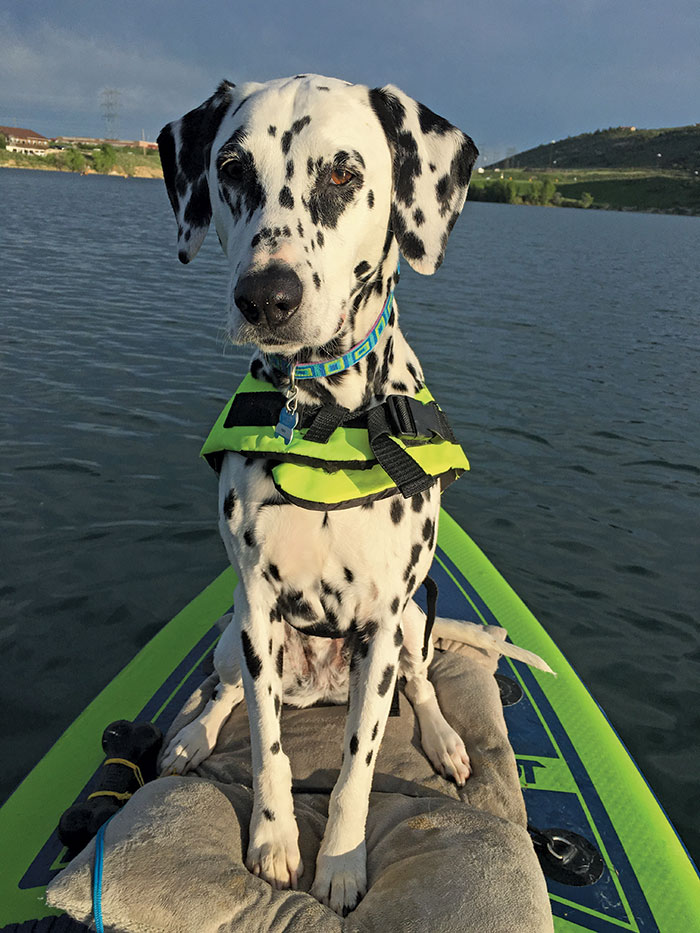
(286, 424)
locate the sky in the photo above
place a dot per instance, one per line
(510, 73)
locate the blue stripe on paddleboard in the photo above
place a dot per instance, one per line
(564, 809)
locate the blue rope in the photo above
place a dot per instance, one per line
(97, 878)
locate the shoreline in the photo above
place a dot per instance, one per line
(141, 171)
(153, 172)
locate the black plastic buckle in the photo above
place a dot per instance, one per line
(409, 418)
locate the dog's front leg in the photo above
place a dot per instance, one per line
(341, 869)
(273, 847)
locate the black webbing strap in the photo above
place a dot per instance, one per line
(431, 593)
(325, 422)
(402, 468)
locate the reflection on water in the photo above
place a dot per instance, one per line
(562, 343)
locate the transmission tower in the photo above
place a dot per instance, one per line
(110, 100)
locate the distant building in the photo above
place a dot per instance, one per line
(27, 141)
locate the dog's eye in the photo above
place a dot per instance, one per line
(232, 169)
(341, 176)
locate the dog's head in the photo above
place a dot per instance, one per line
(311, 181)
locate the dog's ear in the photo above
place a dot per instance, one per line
(185, 147)
(432, 165)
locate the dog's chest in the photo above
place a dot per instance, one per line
(328, 575)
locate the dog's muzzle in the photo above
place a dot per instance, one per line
(270, 295)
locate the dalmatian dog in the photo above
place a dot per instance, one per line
(315, 185)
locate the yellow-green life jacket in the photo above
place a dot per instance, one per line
(333, 459)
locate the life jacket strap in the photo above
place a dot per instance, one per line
(398, 416)
(402, 416)
(431, 592)
(325, 422)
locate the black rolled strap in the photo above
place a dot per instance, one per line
(431, 593)
(411, 418)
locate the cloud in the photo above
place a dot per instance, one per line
(57, 70)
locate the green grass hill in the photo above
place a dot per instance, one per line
(621, 147)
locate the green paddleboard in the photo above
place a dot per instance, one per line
(580, 784)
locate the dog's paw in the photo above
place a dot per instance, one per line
(273, 851)
(445, 750)
(189, 748)
(341, 880)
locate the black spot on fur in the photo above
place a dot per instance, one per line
(411, 245)
(386, 680)
(444, 190)
(410, 586)
(399, 387)
(396, 510)
(257, 365)
(230, 503)
(370, 199)
(432, 123)
(249, 538)
(398, 636)
(349, 575)
(278, 705)
(361, 268)
(412, 370)
(286, 198)
(324, 523)
(253, 662)
(354, 744)
(297, 127)
(273, 570)
(407, 167)
(280, 660)
(290, 169)
(418, 217)
(270, 650)
(269, 815)
(272, 130)
(368, 759)
(320, 239)
(395, 605)
(317, 283)
(389, 110)
(375, 731)
(274, 748)
(326, 201)
(415, 554)
(300, 229)
(293, 604)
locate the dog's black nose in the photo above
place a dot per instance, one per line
(274, 292)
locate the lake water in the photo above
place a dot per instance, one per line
(563, 343)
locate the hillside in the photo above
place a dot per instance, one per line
(621, 147)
